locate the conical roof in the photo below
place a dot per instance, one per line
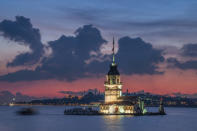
(113, 70)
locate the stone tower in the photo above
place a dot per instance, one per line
(113, 85)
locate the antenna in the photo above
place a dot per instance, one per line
(113, 62)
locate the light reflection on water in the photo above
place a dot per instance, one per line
(51, 118)
(113, 122)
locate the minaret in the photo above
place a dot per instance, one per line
(113, 85)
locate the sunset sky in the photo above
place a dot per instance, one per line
(66, 45)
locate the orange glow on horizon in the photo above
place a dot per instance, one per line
(172, 81)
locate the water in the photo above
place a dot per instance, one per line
(51, 118)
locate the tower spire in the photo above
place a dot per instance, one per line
(113, 62)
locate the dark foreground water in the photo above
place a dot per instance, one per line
(51, 118)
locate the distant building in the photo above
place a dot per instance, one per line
(114, 102)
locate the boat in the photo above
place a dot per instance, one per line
(27, 111)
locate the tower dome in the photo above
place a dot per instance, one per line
(113, 70)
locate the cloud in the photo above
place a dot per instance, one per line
(22, 31)
(78, 93)
(70, 53)
(26, 75)
(189, 50)
(78, 56)
(68, 58)
(189, 54)
(138, 57)
(174, 63)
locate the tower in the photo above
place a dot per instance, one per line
(161, 108)
(113, 85)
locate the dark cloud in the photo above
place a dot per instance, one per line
(67, 61)
(79, 93)
(70, 54)
(138, 57)
(26, 75)
(174, 63)
(22, 31)
(189, 50)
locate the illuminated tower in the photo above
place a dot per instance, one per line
(113, 85)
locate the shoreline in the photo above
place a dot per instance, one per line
(87, 105)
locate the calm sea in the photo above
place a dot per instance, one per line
(51, 118)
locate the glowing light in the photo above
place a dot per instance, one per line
(145, 111)
(111, 109)
(121, 109)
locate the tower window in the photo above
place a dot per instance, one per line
(114, 81)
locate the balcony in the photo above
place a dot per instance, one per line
(108, 83)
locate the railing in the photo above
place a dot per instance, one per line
(106, 82)
(107, 89)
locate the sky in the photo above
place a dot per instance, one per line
(48, 46)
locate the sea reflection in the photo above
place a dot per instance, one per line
(114, 122)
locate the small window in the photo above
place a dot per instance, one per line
(114, 80)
